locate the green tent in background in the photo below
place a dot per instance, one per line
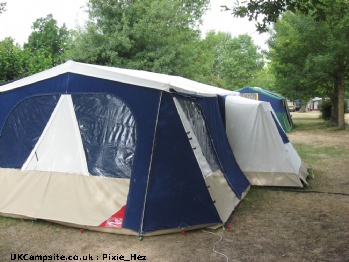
(278, 103)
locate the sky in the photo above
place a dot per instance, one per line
(19, 16)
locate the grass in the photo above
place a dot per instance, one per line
(315, 154)
(314, 125)
(7, 221)
(325, 149)
(252, 200)
(312, 119)
(307, 124)
(319, 142)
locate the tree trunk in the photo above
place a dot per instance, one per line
(334, 100)
(339, 88)
(341, 121)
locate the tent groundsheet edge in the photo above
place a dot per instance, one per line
(274, 179)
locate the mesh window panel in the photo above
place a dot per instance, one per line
(23, 129)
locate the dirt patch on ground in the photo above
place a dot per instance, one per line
(271, 224)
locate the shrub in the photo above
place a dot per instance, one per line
(325, 109)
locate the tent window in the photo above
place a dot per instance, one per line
(108, 132)
(280, 130)
(197, 123)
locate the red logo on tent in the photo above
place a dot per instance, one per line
(115, 220)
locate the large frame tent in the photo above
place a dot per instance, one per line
(277, 102)
(115, 150)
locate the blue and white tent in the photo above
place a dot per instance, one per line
(116, 150)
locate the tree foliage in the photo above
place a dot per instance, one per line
(310, 57)
(45, 48)
(241, 62)
(265, 78)
(265, 12)
(15, 62)
(9, 60)
(332, 17)
(2, 7)
(153, 35)
(236, 60)
(48, 39)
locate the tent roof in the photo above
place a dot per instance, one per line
(263, 91)
(134, 77)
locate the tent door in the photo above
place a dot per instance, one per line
(221, 194)
(60, 148)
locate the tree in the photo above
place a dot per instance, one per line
(330, 15)
(153, 35)
(236, 60)
(9, 60)
(49, 39)
(2, 7)
(16, 63)
(311, 57)
(241, 61)
(288, 58)
(265, 78)
(270, 11)
(213, 46)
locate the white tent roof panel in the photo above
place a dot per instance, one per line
(128, 76)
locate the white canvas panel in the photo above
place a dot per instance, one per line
(223, 197)
(60, 147)
(80, 200)
(255, 141)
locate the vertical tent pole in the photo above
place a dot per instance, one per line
(151, 163)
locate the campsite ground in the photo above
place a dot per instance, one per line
(271, 224)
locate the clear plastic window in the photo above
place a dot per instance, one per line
(198, 125)
(108, 132)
